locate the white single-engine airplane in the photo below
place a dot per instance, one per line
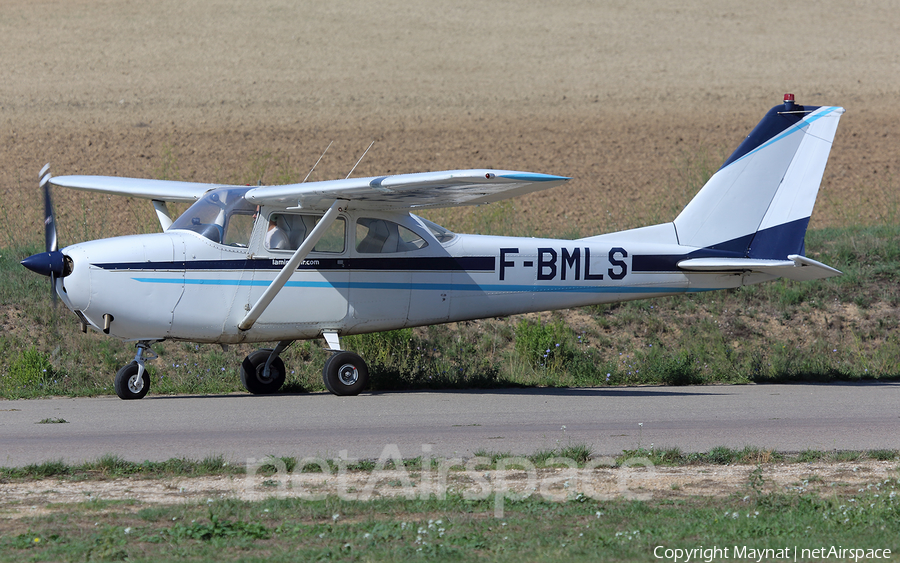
(334, 258)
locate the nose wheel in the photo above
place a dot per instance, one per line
(133, 380)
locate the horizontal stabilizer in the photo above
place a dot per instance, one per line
(796, 267)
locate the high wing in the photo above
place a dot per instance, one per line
(409, 191)
(403, 191)
(160, 190)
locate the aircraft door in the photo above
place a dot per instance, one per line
(432, 280)
(381, 277)
(318, 291)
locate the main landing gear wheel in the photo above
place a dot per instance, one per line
(345, 374)
(253, 374)
(129, 385)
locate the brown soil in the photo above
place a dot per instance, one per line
(605, 94)
(37, 498)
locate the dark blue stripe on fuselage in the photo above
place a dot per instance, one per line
(427, 264)
(774, 243)
(651, 263)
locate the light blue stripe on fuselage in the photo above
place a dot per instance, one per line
(494, 288)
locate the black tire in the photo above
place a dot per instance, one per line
(345, 374)
(252, 373)
(128, 385)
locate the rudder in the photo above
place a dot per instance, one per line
(759, 202)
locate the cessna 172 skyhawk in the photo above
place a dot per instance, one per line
(333, 258)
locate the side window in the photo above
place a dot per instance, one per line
(377, 236)
(238, 229)
(287, 231)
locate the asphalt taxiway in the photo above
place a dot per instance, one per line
(841, 416)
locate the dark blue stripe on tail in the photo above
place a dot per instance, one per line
(776, 120)
(777, 243)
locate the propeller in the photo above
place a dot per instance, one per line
(51, 262)
(51, 242)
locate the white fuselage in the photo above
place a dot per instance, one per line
(180, 285)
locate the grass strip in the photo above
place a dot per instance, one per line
(577, 455)
(752, 526)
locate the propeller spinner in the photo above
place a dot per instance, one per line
(52, 262)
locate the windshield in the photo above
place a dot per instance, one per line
(221, 215)
(440, 233)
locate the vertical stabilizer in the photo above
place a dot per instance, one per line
(759, 203)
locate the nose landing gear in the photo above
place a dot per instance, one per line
(133, 380)
(345, 373)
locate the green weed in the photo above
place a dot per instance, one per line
(400, 359)
(28, 373)
(809, 456)
(47, 469)
(52, 421)
(882, 455)
(545, 346)
(219, 529)
(459, 529)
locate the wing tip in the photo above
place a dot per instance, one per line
(535, 177)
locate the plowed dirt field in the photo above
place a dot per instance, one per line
(621, 96)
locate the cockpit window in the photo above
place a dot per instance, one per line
(384, 237)
(222, 216)
(286, 231)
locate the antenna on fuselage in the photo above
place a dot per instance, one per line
(317, 162)
(360, 159)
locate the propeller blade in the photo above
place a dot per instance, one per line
(51, 241)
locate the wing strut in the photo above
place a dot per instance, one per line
(299, 255)
(162, 212)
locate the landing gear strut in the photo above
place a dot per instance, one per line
(344, 373)
(133, 380)
(262, 372)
